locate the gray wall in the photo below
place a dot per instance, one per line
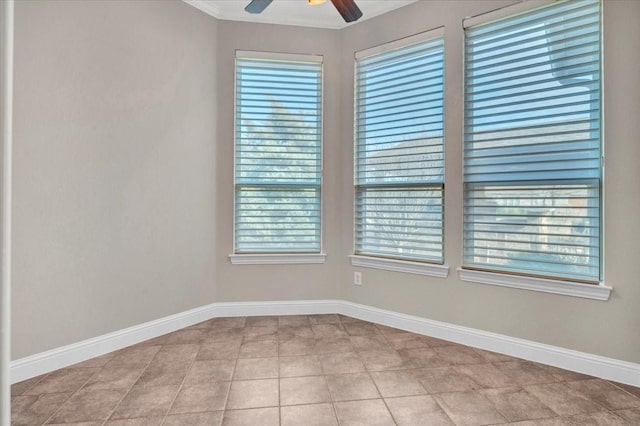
(604, 328)
(124, 194)
(114, 163)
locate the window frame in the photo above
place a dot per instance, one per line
(541, 283)
(426, 267)
(279, 257)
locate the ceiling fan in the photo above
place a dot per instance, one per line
(348, 9)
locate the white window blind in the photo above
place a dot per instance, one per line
(278, 155)
(532, 165)
(399, 155)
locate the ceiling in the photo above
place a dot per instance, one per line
(295, 12)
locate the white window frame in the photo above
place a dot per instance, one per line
(599, 291)
(426, 268)
(279, 257)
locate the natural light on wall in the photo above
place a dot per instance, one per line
(532, 165)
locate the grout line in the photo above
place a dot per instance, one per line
(132, 385)
(181, 384)
(70, 396)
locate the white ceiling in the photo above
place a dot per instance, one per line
(295, 12)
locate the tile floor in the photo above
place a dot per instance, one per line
(315, 370)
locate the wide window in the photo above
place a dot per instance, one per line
(532, 155)
(399, 153)
(278, 153)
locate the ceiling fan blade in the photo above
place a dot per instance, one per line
(348, 9)
(257, 6)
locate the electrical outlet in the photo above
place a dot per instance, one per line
(357, 278)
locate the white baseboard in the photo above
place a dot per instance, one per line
(581, 362)
(44, 362)
(595, 365)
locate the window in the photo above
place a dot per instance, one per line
(532, 155)
(278, 153)
(399, 153)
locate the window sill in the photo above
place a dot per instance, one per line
(406, 266)
(566, 288)
(277, 258)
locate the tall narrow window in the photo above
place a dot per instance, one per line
(399, 153)
(532, 165)
(278, 153)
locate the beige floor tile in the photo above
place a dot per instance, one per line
(406, 341)
(369, 343)
(362, 329)
(63, 381)
(493, 356)
(195, 419)
(344, 319)
(333, 345)
(256, 368)
(563, 375)
(434, 342)
(140, 421)
(324, 319)
(218, 350)
(516, 404)
(202, 397)
(282, 361)
(342, 362)
(253, 394)
(457, 355)
(223, 335)
(605, 394)
(308, 415)
(417, 411)
(263, 321)
(229, 322)
(562, 399)
(142, 401)
(252, 417)
(601, 418)
(485, 375)
(35, 409)
(293, 320)
(207, 371)
(444, 379)
(321, 331)
(633, 390)
(347, 387)
(386, 360)
(632, 416)
(289, 332)
(115, 377)
(424, 357)
(297, 346)
(522, 373)
(23, 386)
(304, 390)
(89, 404)
(385, 329)
(469, 408)
(135, 355)
(397, 383)
(307, 365)
(260, 333)
(371, 412)
(170, 365)
(259, 349)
